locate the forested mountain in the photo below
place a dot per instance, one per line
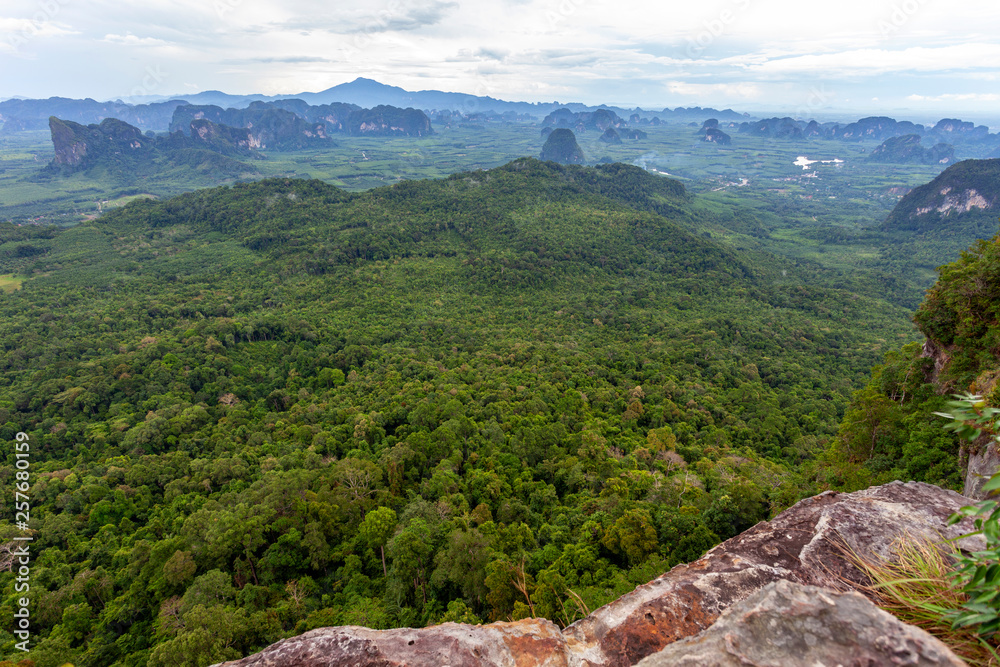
(560, 146)
(965, 197)
(264, 408)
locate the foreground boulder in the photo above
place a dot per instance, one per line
(804, 544)
(792, 625)
(529, 642)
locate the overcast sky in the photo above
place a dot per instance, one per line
(929, 56)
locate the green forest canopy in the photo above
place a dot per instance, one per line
(259, 409)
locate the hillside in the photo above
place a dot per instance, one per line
(275, 406)
(964, 197)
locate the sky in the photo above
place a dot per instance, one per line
(928, 58)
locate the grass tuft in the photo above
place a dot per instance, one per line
(917, 587)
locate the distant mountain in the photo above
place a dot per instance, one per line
(774, 128)
(878, 128)
(686, 115)
(581, 121)
(561, 147)
(974, 139)
(965, 198)
(124, 154)
(20, 114)
(292, 124)
(17, 115)
(908, 150)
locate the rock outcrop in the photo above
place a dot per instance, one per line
(535, 642)
(803, 544)
(112, 141)
(907, 150)
(599, 120)
(962, 196)
(793, 625)
(561, 147)
(983, 463)
(610, 136)
(122, 152)
(713, 135)
(386, 121)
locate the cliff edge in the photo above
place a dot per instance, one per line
(802, 545)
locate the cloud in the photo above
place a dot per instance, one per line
(738, 90)
(15, 33)
(129, 39)
(956, 97)
(491, 54)
(289, 59)
(874, 62)
(398, 16)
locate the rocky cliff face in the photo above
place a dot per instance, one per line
(959, 196)
(803, 545)
(261, 125)
(122, 152)
(78, 145)
(386, 121)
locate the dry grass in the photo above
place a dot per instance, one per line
(917, 588)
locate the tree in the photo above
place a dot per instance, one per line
(377, 528)
(411, 550)
(632, 536)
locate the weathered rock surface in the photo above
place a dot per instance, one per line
(790, 625)
(802, 545)
(984, 462)
(529, 642)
